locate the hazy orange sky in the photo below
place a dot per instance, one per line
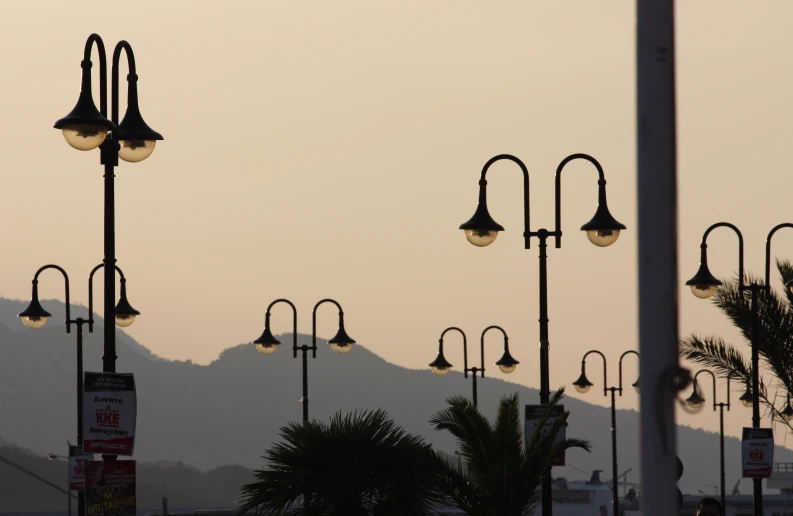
(331, 149)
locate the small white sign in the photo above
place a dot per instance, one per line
(532, 417)
(77, 471)
(758, 452)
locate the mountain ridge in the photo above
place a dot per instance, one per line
(230, 411)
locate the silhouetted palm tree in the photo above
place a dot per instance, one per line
(774, 339)
(357, 464)
(503, 473)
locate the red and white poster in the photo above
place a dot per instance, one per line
(532, 417)
(77, 468)
(109, 413)
(758, 452)
(110, 488)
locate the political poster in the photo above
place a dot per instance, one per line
(77, 468)
(109, 413)
(758, 452)
(533, 413)
(110, 488)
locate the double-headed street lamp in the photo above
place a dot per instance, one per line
(705, 285)
(696, 402)
(440, 366)
(132, 140)
(267, 343)
(583, 385)
(35, 316)
(602, 230)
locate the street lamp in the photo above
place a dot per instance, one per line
(583, 385)
(507, 364)
(697, 402)
(787, 412)
(341, 343)
(705, 285)
(602, 230)
(35, 316)
(132, 140)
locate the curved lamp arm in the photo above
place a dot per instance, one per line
(601, 190)
(768, 251)
(86, 65)
(704, 248)
(91, 293)
(66, 284)
(483, 191)
(294, 321)
(713, 376)
(314, 323)
(132, 77)
(465, 347)
(506, 344)
(629, 352)
(583, 366)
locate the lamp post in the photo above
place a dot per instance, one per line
(267, 343)
(132, 140)
(697, 402)
(440, 366)
(35, 316)
(583, 385)
(705, 285)
(602, 230)
(53, 456)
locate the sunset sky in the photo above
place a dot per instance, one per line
(331, 149)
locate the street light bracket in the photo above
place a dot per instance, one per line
(768, 251)
(741, 285)
(465, 347)
(122, 278)
(558, 208)
(629, 352)
(525, 171)
(66, 285)
(314, 322)
(605, 378)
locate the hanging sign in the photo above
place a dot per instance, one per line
(758, 452)
(76, 468)
(110, 488)
(533, 413)
(109, 413)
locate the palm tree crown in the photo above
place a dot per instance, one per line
(503, 472)
(357, 464)
(774, 338)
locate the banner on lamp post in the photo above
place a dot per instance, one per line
(77, 461)
(110, 488)
(533, 413)
(109, 413)
(758, 452)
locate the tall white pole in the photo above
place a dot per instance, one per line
(657, 234)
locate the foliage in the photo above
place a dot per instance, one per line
(357, 464)
(503, 474)
(774, 338)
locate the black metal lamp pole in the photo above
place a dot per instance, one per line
(583, 385)
(34, 316)
(507, 364)
(132, 140)
(602, 230)
(705, 285)
(267, 343)
(696, 402)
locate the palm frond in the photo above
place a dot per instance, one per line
(714, 353)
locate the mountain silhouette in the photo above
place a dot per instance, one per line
(230, 411)
(185, 486)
